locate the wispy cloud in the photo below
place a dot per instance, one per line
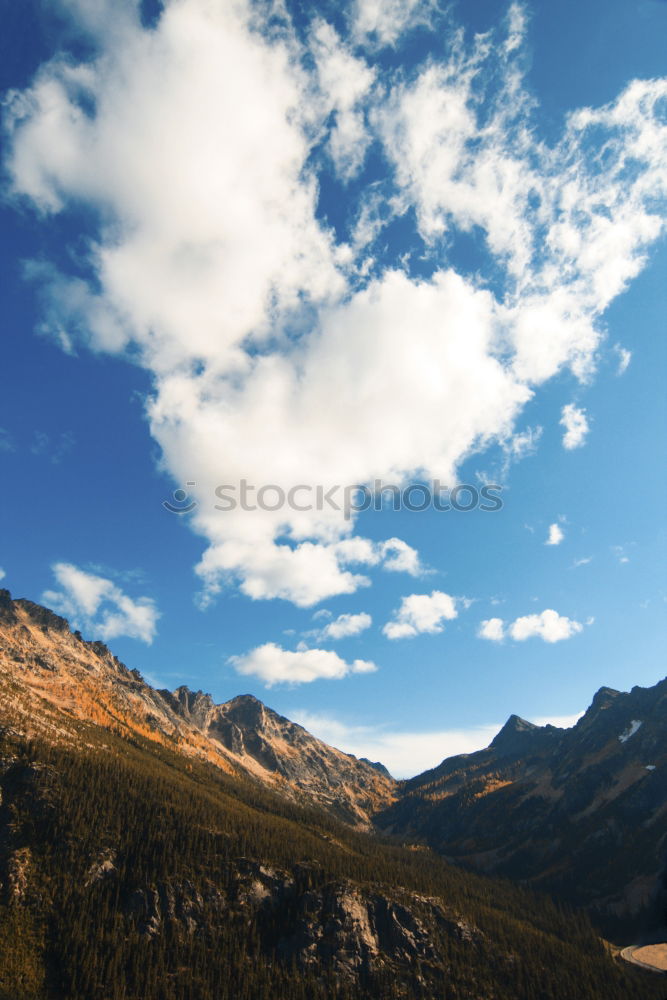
(624, 359)
(53, 447)
(96, 605)
(6, 440)
(406, 753)
(403, 752)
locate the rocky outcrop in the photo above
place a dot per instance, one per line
(50, 677)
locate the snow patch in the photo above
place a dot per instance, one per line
(634, 726)
(650, 767)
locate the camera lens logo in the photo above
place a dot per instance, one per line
(181, 504)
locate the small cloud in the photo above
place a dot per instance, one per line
(584, 561)
(393, 555)
(322, 613)
(6, 441)
(620, 553)
(95, 604)
(519, 446)
(576, 426)
(2, 573)
(275, 665)
(556, 535)
(492, 629)
(346, 625)
(54, 449)
(624, 358)
(420, 613)
(399, 557)
(549, 626)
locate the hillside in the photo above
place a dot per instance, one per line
(50, 676)
(156, 846)
(130, 872)
(581, 812)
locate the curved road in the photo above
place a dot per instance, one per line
(629, 955)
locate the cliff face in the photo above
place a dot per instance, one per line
(581, 812)
(50, 680)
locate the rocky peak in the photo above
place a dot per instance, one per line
(195, 706)
(376, 765)
(7, 610)
(518, 737)
(246, 710)
(603, 699)
(43, 617)
(511, 736)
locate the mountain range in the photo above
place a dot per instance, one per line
(227, 829)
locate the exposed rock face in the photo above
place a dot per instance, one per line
(581, 811)
(269, 743)
(50, 677)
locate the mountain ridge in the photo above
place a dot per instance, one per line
(578, 812)
(42, 658)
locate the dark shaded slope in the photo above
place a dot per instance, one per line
(580, 812)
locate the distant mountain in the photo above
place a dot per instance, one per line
(50, 678)
(581, 812)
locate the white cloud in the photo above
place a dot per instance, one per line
(346, 625)
(407, 753)
(584, 561)
(2, 573)
(576, 426)
(384, 21)
(97, 605)
(403, 753)
(493, 629)
(548, 625)
(274, 665)
(420, 613)
(299, 355)
(555, 536)
(624, 359)
(399, 557)
(344, 81)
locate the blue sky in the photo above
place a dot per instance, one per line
(323, 246)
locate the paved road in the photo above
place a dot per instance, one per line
(629, 955)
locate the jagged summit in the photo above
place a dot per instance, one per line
(513, 727)
(603, 699)
(55, 681)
